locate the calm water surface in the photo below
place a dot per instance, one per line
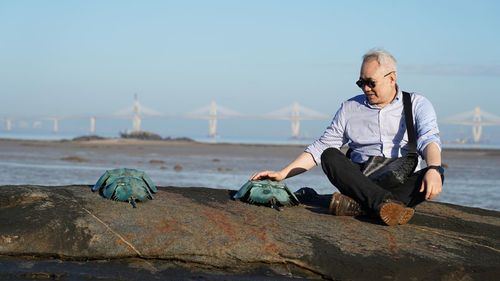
(472, 178)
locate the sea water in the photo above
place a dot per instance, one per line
(471, 180)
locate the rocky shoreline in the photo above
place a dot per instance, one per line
(70, 232)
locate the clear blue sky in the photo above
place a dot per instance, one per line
(90, 57)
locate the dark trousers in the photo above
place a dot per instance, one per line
(349, 180)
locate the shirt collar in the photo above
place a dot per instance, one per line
(398, 95)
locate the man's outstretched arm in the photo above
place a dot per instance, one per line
(302, 163)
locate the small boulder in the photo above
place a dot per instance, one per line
(156, 161)
(74, 159)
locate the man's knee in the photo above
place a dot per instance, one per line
(330, 154)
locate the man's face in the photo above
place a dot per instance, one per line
(384, 90)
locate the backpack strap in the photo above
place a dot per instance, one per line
(410, 129)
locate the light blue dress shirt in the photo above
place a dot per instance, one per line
(373, 131)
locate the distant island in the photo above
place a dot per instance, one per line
(141, 135)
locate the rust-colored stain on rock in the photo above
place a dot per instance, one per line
(205, 228)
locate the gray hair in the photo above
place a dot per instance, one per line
(384, 59)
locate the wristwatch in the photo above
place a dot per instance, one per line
(439, 169)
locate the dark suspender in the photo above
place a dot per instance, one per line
(412, 138)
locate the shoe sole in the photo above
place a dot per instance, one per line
(394, 214)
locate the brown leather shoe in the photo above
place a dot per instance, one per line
(343, 205)
(393, 212)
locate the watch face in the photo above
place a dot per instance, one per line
(441, 170)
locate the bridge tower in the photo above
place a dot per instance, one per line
(136, 121)
(212, 122)
(213, 112)
(295, 120)
(9, 124)
(56, 125)
(92, 125)
(295, 113)
(137, 112)
(476, 118)
(477, 128)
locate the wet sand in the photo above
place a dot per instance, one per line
(111, 147)
(135, 146)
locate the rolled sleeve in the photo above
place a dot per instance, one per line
(426, 124)
(332, 137)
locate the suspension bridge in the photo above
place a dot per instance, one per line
(295, 113)
(476, 118)
(211, 112)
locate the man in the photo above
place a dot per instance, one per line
(373, 124)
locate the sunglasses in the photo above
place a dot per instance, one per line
(368, 82)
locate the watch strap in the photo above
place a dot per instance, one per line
(439, 169)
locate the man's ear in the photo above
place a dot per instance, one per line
(393, 76)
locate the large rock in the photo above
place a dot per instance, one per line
(202, 230)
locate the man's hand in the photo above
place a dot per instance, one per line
(431, 184)
(272, 175)
(302, 163)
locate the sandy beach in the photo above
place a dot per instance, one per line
(163, 147)
(181, 148)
